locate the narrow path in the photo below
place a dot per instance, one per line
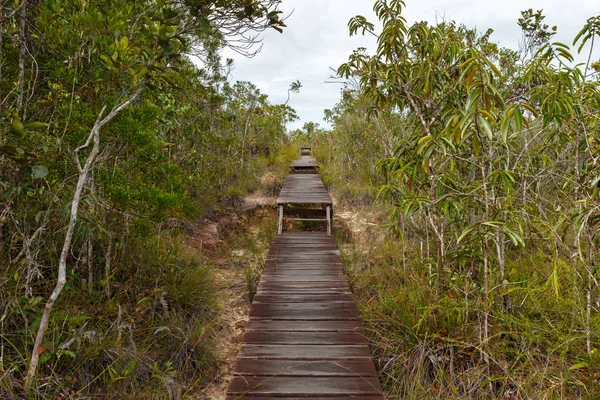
(304, 338)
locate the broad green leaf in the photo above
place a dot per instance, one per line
(39, 171)
(464, 234)
(476, 146)
(486, 127)
(470, 77)
(585, 28)
(35, 125)
(580, 365)
(518, 119)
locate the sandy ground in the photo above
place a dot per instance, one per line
(231, 283)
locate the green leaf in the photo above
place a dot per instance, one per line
(464, 234)
(580, 365)
(39, 171)
(581, 32)
(130, 367)
(204, 24)
(35, 125)
(68, 353)
(486, 127)
(518, 119)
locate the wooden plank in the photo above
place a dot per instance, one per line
(301, 285)
(305, 352)
(290, 241)
(303, 234)
(322, 338)
(305, 326)
(303, 278)
(304, 386)
(306, 275)
(304, 311)
(305, 265)
(301, 268)
(254, 397)
(302, 291)
(293, 264)
(302, 298)
(306, 219)
(355, 368)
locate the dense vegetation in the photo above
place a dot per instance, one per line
(118, 129)
(486, 160)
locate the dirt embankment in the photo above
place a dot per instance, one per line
(215, 239)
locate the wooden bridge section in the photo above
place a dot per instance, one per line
(305, 339)
(303, 193)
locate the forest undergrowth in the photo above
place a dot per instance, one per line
(478, 277)
(427, 344)
(170, 328)
(120, 132)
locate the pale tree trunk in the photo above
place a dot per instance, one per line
(1, 61)
(501, 252)
(30, 267)
(107, 266)
(245, 137)
(486, 271)
(436, 224)
(590, 290)
(90, 262)
(22, 50)
(84, 172)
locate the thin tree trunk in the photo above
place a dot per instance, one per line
(90, 262)
(486, 274)
(590, 289)
(22, 50)
(1, 60)
(244, 138)
(107, 266)
(30, 267)
(436, 224)
(501, 252)
(84, 173)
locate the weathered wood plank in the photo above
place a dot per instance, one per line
(321, 338)
(305, 352)
(305, 326)
(305, 386)
(302, 285)
(310, 311)
(355, 368)
(286, 397)
(284, 297)
(304, 278)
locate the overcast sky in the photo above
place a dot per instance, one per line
(316, 39)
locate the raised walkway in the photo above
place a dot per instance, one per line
(305, 339)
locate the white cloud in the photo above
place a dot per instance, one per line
(316, 38)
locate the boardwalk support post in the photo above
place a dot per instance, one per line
(328, 220)
(280, 219)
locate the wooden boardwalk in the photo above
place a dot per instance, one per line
(305, 164)
(305, 339)
(306, 190)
